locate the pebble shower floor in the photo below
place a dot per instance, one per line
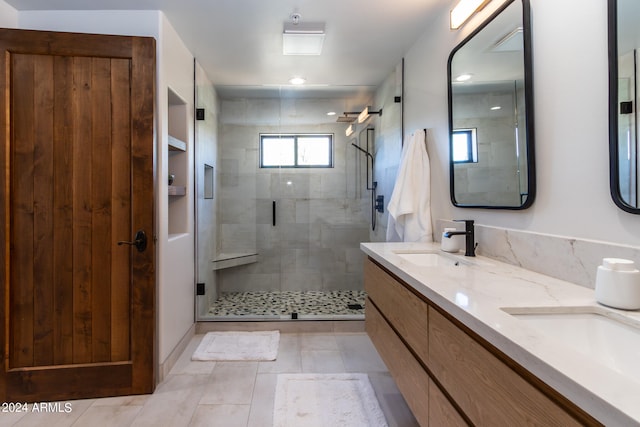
(290, 304)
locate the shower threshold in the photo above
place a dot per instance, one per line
(289, 305)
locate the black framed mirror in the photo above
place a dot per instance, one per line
(492, 162)
(624, 45)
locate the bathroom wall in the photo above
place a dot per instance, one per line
(571, 106)
(320, 215)
(8, 16)
(175, 253)
(206, 155)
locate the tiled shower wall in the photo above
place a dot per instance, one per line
(322, 214)
(494, 179)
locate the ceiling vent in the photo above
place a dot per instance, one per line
(512, 42)
(302, 38)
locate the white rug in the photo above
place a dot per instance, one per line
(326, 400)
(220, 346)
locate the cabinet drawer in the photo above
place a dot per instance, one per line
(441, 411)
(487, 390)
(411, 379)
(407, 313)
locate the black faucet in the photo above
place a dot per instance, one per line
(470, 244)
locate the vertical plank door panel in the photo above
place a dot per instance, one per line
(82, 210)
(43, 211)
(121, 209)
(101, 212)
(21, 300)
(63, 211)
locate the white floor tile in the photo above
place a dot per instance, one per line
(220, 416)
(108, 416)
(322, 361)
(264, 393)
(231, 383)
(233, 394)
(174, 402)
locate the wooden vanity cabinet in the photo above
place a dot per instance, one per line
(447, 375)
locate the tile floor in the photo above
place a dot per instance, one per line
(232, 394)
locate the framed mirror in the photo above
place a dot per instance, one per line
(492, 161)
(624, 45)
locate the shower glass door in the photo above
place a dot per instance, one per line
(290, 213)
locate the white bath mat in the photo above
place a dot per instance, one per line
(326, 400)
(220, 346)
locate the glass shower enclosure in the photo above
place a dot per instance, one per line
(287, 230)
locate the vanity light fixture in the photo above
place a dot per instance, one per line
(300, 38)
(465, 10)
(349, 130)
(364, 115)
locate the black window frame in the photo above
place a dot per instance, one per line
(295, 137)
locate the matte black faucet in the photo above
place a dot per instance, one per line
(470, 244)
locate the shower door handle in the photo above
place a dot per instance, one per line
(273, 213)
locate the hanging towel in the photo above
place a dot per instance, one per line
(410, 204)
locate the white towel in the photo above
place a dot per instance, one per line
(410, 204)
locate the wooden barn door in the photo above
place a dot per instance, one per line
(78, 309)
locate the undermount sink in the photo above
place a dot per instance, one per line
(602, 334)
(428, 259)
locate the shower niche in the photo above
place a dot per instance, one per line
(178, 128)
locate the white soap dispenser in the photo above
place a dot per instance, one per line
(618, 284)
(450, 244)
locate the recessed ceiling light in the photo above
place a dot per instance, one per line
(463, 77)
(297, 80)
(331, 113)
(497, 107)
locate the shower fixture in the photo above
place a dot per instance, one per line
(364, 115)
(345, 119)
(377, 202)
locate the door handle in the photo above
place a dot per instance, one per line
(140, 241)
(273, 213)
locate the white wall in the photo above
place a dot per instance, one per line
(8, 16)
(571, 125)
(176, 272)
(175, 256)
(118, 22)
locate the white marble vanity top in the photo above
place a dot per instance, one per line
(481, 293)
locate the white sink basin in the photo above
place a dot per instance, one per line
(605, 335)
(428, 259)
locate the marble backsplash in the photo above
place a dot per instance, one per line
(565, 258)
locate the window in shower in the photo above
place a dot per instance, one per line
(465, 146)
(296, 151)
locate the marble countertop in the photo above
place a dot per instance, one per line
(478, 289)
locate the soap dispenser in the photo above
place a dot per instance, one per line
(618, 284)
